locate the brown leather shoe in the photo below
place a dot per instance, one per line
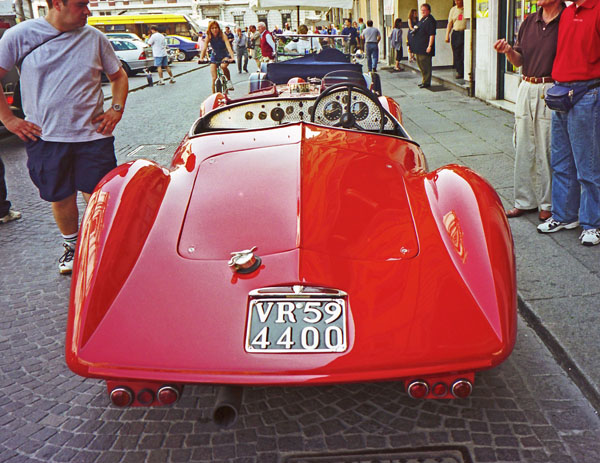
(545, 215)
(516, 212)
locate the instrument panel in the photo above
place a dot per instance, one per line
(277, 111)
(262, 113)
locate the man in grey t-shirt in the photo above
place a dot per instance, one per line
(371, 37)
(67, 133)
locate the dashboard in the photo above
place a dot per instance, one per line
(275, 111)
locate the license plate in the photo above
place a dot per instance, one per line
(296, 325)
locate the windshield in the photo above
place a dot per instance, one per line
(293, 45)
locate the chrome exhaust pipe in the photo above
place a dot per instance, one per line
(227, 405)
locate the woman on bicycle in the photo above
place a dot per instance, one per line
(221, 47)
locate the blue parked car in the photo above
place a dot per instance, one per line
(188, 49)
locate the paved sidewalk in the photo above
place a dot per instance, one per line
(558, 278)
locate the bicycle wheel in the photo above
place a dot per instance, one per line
(219, 87)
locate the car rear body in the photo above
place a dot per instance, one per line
(135, 55)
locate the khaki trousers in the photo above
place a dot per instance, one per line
(533, 175)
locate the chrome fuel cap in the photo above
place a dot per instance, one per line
(244, 261)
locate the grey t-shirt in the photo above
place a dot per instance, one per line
(370, 34)
(61, 89)
(158, 42)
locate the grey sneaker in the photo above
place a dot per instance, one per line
(172, 81)
(12, 215)
(230, 85)
(551, 225)
(65, 263)
(590, 237)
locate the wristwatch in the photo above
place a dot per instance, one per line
(117, 107)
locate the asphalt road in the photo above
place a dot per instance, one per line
(526, 410)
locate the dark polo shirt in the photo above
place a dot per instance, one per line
(578, 55)
(536, 42)
(420, 40)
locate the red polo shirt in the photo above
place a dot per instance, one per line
(578, 50)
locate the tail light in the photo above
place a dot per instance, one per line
(196, 46)
(439, 389)
(121, 396)
(418, 389)
(10, 99)
(145, 396)
(142, 56)
(167, 395)
(462, 388)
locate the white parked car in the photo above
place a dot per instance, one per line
(135, 55)
(123, 35)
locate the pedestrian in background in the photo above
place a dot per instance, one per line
(371, 37)
(240, 43)
(254, 36)
(229, 35)
(361, 28)
(534, 51)
(158, 42)
(396, 42)
(304, 45)
(267, 43)
(67, 133)
(413, 20)
(455, 34)
(423, 43)
(351, 43)
(575, 157)
(6, 213)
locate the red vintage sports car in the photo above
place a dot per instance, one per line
(298, 238)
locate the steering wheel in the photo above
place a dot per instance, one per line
(348, 117)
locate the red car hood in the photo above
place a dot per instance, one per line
(336, 201)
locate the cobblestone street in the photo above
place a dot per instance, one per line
(526, 410)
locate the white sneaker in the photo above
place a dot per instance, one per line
(229, 85)
(65, 263)
(551, 225)
(590, 237)
(160, 82)
(172, 81)
(12, 215)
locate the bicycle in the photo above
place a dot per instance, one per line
(221, 82)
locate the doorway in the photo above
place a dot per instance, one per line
(517, 11)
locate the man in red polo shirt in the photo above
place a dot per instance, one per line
(267, 44)
(575, 156)
(534, 51)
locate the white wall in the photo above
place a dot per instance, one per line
(486, 58)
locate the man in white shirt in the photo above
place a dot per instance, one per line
(159, 49)
(304, 45)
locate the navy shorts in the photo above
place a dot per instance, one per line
(60, 169)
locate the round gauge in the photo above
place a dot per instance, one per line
(332, 111)
(360, 110)
(289, 109)
(262, 115)
(249, 115)
(345, 99)
(277, 114)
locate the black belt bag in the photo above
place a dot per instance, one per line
(562, 98)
